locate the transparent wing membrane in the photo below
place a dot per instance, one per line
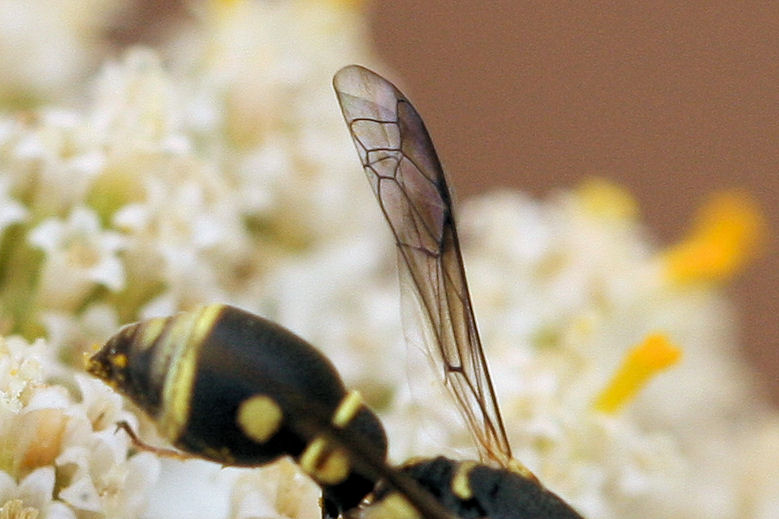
(403, 169)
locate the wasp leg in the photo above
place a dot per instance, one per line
(140, 445)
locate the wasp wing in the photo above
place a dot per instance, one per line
(403, 169)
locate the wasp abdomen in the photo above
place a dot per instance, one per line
(235, 388)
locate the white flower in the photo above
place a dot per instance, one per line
(264, 74)
(280, 491)
(32, 497)
(137, 108)
(187, 233)
(76, 335)
(102, 478)
(79, 255)
(45, 430)
(557, 313)
(11, 211)
(51, 159)
(33, 67)
(324, 295)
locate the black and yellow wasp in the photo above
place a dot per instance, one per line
(232, 387)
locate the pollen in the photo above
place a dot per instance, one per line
(727, 233)
(654, 354)
(602, 198)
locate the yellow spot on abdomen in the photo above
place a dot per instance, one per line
(259, 417)
(347, 409)
(325, 463)
(461, 483)
(651, 356)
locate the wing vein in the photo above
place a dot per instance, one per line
(405, 173)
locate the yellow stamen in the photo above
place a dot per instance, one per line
(349, 4)
(226, 4)
(225, 10)
(648, 358)
(603, 198)
(727, 233)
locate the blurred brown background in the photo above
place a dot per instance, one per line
(671, 100)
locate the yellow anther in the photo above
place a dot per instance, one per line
(606, 199)
(226, 11)
(349, 4)
(648, 358)
(727, 233)
(226, 4)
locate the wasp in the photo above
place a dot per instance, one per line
(235, 388)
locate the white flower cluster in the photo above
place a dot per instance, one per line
(47, 48)
(62, 436)
(168, 189)
(562, 292)
(227, 176)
